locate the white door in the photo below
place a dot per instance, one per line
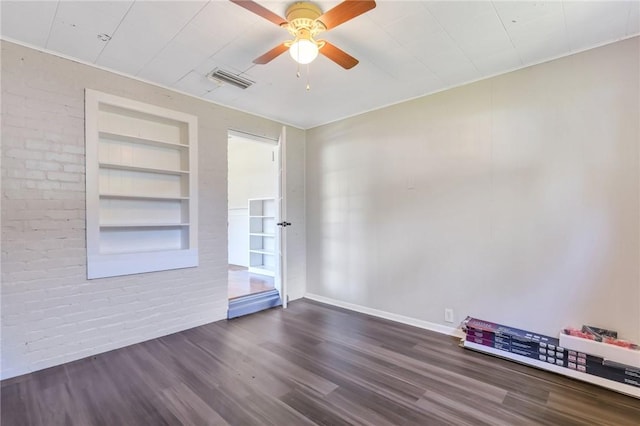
(280, 281)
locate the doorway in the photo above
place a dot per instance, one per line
(254, 281)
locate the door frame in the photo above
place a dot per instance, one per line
(281, 203)
(280, 195)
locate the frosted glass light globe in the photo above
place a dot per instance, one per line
(303, 51)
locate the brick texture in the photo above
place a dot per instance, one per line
(51, 313)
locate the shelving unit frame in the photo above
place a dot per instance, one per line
(141, 187)
(262, 236)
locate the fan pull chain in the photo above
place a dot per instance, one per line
(308, 86)
(298, 70)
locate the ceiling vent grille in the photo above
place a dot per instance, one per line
(222, 76)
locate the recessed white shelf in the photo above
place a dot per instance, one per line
(142, 225)
(140, 140)
(142, 197)
(257, 234)
(141, 187)
(142, 169)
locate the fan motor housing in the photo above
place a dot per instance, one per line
(304, 10)
(303, 15)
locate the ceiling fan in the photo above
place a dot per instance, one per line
(304, 22)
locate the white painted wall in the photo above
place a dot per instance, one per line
(252, 171)
(252, 174)
(238, 237)
(50, 312)
(514, 199)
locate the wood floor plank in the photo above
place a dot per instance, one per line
(290, 374)
(237, 358)
(273, 411)
(14, 406)
(189, 408)
(393, 410)
(580, 406)
(464, 411)
(315, 408)
(308, 364)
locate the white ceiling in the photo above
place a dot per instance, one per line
(406, 48)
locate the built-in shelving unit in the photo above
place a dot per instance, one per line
(262, 236)
(141, 187)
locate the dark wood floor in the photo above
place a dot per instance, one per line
(309, 364)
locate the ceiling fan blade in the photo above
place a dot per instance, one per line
(338, 56)
(345, 11)
(260, 11)
(271, 55)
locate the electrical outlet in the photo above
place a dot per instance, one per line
(448, 315)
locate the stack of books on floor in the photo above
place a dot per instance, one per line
(590, 350)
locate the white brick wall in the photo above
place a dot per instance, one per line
(50, 313)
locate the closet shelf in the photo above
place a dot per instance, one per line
(262, 233)
(262, 251)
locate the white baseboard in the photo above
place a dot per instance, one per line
(438, 328)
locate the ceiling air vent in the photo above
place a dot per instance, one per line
(221, 76)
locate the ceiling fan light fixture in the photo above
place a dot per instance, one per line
(305, 22)
(303, 51)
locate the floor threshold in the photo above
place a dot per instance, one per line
(245, 305)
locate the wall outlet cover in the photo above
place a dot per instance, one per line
(448, 315)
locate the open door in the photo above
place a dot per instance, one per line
(255, 203)
(280, 280)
